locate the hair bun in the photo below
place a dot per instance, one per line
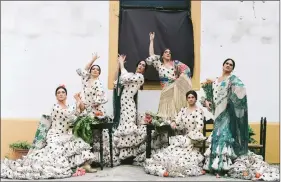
(62, 85)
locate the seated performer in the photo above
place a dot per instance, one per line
(175, 79)
(127, 136)
(230, 137)
(94, 98)
(181, 159)
(55, 151)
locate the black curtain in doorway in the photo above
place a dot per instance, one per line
(173, 29)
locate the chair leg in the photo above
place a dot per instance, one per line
(101, 149)
(110, 147)
(263, 153)
(148, 143)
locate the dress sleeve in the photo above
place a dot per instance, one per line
(179, 119)
(196, 134)
(237, 107)
(155, 61)
(82, 72)
(127, 78)
(73, 113)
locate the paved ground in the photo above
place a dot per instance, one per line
(133, 173)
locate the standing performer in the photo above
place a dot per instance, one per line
(94, 98)
(93, 95)
(127, 136)
(175, 79)
(226, 97)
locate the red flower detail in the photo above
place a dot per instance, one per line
(148, 118)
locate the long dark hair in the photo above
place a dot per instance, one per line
(145, 68)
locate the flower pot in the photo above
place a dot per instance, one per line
(19, 153)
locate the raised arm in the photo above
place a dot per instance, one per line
(151, 44)
(121, 60)
(117, 71)
(95, 57)
(80, 107)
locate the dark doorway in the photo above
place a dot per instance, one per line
(173, 29)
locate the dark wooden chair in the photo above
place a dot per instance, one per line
(262, 143)
(149, 128)
(100, 128)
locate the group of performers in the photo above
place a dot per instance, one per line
(56, 151)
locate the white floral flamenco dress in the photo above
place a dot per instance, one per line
(181, 158)
(55, 150)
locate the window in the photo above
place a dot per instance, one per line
(114, 29)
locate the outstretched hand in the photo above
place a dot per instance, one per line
(95, 56)
(121, 58)
(151, 36)
(77, 96)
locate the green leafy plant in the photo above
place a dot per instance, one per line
(20, 145)
(82, 127)
(251, 134)
(252, 140)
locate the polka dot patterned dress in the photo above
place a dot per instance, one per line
(94, 98)
(93, 95)
(62, 152)
(181, 158)
(127, 137)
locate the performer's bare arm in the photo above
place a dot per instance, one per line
(121, 60)
(79, 104)
(118, 67)
(95, 57)
(151, 45)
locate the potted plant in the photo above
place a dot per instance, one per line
(20, 148)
